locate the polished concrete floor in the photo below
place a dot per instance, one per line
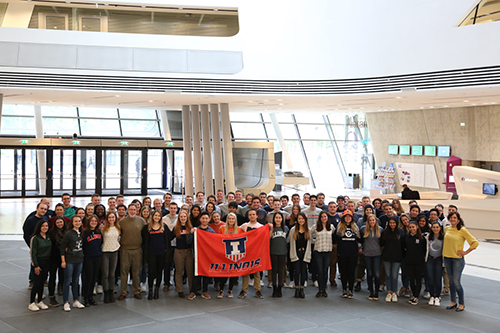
(287, 314)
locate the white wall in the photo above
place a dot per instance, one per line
(322, 39)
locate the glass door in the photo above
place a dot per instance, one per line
(10, 172)
(35, 174)
(178, 174)
(156, 172)
(62, 171)
(85, 171)
(132, 161)
(111, 172)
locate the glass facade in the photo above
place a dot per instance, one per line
(485, 11)
(137, 20)
(326, 147)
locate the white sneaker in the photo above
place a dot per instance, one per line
(99, 289)
(316, 284)
(262, 283)
(41, 305)
(291, 285)
(305, 284)
(270, 285)
(33, 307)
(394, 298)
(427, 295)
(431, 301)
(388, 298)
(285, 285)
(250, 283)
(143, 287)
(66, 307)
(78, 305)
(437, 301)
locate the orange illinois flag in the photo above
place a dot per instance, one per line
(232, 254)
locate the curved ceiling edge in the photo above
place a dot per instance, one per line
(459, 78)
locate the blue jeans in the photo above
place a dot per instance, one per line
(322, 262)
(72, 274)
(455, 267)
(373, 272)
(391, 275)
(434, 275)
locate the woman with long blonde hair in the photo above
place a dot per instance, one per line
(372, 253)
(110, 245)
(183, 255)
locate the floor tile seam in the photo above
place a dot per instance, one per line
(130, 326)
(16, 265)
(222, 318)
(450, 323)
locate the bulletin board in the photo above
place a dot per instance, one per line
(418, 175)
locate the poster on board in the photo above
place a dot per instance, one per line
(417, 175)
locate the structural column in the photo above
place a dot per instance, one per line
(228, 147)
(188, 160)
(42, 160)
(216, 144)
(207, 150)
(198, 176)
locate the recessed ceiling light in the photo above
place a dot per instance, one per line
(279, 99)
(485, 103)
(399, 97)
(266, 100)
(282, 104)
(473, 104)
(493, 103)
(150, 101)
(421, 107)
(465, 101)
(250, 101)
(445, 106)
(118, 95)
(431, 107)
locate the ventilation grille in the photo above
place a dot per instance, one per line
(422, 81)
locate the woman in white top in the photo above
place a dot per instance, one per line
(322, 232)
(110, 246)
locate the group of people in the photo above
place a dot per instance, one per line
(149, 239)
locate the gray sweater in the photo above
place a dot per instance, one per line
(371, 244)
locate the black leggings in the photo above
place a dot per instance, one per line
(300, 274)
(415, 276)
(222, 281)
(55, 271)
(91, 267)
(347, 269)
(156, 263)
(39, 280)
(278, 264)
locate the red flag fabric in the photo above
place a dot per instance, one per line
(221, 255)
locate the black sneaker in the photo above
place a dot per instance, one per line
(370, 297)
(258, 294)
(242, 294)
(344, 293)
(181, 295)
(319, 294)
(350, 295)
(325, 295)
(375, 296)
(357, 287)
(53, 302)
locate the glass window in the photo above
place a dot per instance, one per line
(288, 131)
(313, 132)
(137, 114)
(18, 125)
(309, 118)
(245, 116)
(323, 164)
(18, 110)
(140, 128)
(487, 11)
(58, 111)
(97, 113)
(60, 126)
(248, 131)
(271, 134)
(3, 9)
(266, 117)
(295, 152)
(284, 117)
(100, 127)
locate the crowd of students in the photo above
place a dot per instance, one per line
(149, 239)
